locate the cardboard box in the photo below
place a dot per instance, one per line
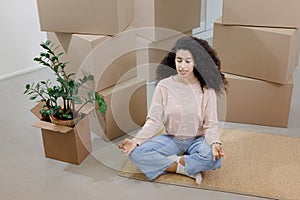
(173, 15)
(75, 47)
(150, 54)
(253, 101)
(269, 54)
(110, 65)
(126, 112)
(107, 17)
(63, 143)
(270, 13)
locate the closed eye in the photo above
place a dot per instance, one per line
(179, 60)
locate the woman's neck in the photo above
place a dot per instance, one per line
(188, 80)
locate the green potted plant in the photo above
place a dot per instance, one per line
(63, 106)
(60, 99)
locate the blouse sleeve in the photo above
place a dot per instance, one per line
(154, 120)
(210, 124)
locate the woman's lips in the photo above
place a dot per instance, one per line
(183, 72)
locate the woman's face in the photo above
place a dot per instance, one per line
(184, 63)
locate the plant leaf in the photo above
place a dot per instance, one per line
(60, 54)
(33, 97)
(55, 68)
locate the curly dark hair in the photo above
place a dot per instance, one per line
(207, 64)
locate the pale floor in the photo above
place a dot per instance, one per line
(27, 174)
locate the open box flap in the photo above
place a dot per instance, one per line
(51, 127)
(36, 109)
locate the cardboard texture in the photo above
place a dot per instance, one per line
(75, 47)
(270, 13)
(126, 112)
(253, 101)
(79, 50)
(150, 54)
(269, 54)
(107, 17)
(166, 14)
(114, 60)
(63, 143)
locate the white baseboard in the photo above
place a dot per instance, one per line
(199, 29)
(21, 72)
(205, 35)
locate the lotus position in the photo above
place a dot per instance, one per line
(184, 104)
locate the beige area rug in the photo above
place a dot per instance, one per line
(257, 164)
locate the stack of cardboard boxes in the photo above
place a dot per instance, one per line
(258, 43)
(159, 25)
(80, 28)
(103, 37)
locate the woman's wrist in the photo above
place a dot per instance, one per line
(136, 142)
(219, 143)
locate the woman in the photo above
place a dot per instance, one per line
(184, 104)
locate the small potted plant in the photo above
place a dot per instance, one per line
(63, 103)
(60, 99)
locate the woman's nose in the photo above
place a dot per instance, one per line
(182, 65)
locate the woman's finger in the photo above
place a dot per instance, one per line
(215, 154)
(221, 152)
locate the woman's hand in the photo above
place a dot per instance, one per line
(127, 146)
(217, 151)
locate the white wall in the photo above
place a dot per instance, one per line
(213, 12)
(20, 36)
(210, 11)
(201, 28)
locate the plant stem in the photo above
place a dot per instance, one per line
(38, 92)
(89, 101)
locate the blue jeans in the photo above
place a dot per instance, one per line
(155, 155)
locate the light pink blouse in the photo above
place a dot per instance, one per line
(184, 110)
